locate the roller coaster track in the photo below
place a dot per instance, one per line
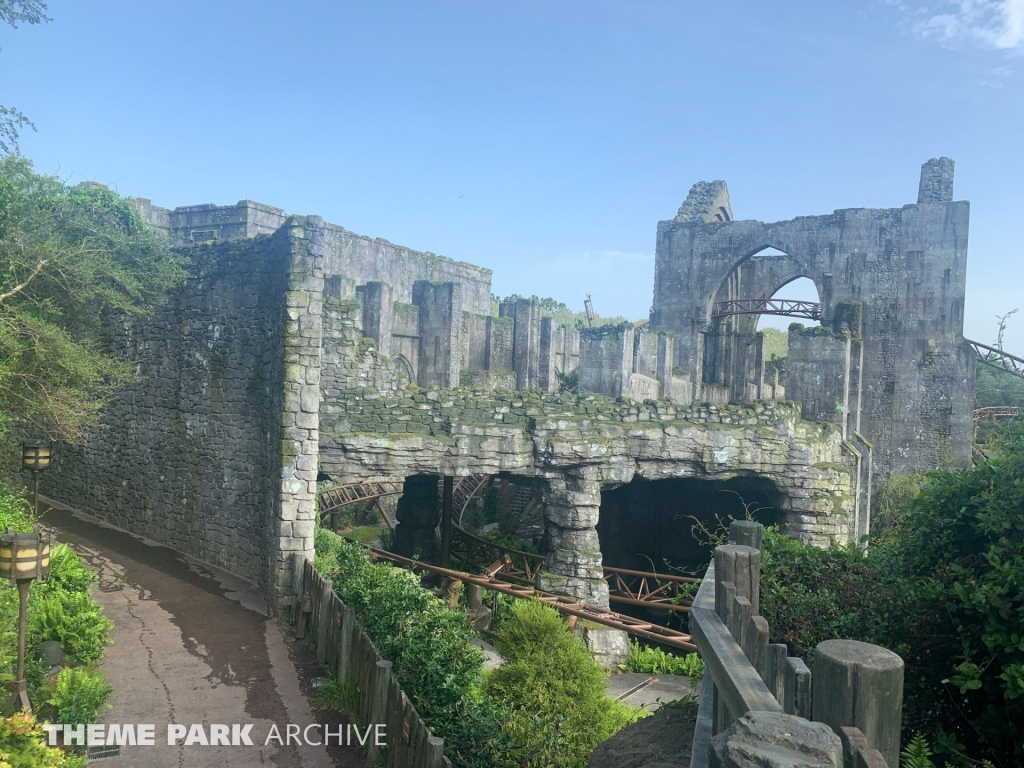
(998, 359)
(659, 591)
(997, 412)
(566, 605)
(785, 307)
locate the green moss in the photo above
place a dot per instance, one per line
(833, 466)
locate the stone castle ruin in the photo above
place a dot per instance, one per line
(297, 347)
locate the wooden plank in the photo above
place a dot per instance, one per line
(325, 618)
(380, 689)
(775, 671)
(739, 619)
(348, 621)
(755, 644)
(798, 688)
(396, 706)
(736, 680)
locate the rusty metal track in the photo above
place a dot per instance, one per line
(785, 307)
(566, 605)
(663, 592)
(998, 359)
(997, 412)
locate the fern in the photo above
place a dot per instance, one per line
(917, 753)
(78, 696)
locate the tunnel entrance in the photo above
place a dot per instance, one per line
(649, 524)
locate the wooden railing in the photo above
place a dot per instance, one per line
(857, 688)
(343, 647)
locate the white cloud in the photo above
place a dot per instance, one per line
(997, 24)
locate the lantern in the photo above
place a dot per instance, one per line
(24, 558)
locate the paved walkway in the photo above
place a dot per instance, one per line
(192, 644)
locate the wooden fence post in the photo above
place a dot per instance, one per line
(861, 685)
(348, 621)
(740, 566)
(746, 532)
(434, 757)
(798, 688)
(379, 690)
(326, 617)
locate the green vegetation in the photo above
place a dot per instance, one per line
(547, 704)
(776, 344)
(551, 693)
(23, 745)
(69, 258)
(943, 586)
(643, 658)
(60, 609)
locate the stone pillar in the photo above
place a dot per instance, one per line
(295, 508)
(572, 502)
(664, 363)
(440, 332)
(378, 298)
(418, 515)
(936, 181)
(526, 348)
(606, 359)
(546, 378)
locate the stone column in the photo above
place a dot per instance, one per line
(418, 515)
(572, 502)
(295, 508)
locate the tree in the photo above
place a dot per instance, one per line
(70, 260)
(11, 120)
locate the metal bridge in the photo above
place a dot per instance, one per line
(810, 310)
(998, 359)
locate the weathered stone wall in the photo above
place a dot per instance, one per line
(188, 455)
(606, 359)
(818, 372)
(361, 258)
(595, 441)
(905, 266)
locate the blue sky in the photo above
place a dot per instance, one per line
(541, 138)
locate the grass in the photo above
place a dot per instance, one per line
(365, 534)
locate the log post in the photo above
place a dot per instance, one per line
(326, 615)
(380, 687)
(348, 626)
(746, 532)
(474, 596)
(434, 757)
(861, 685)
(798, 688)
(741, 566)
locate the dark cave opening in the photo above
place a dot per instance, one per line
(649, 524)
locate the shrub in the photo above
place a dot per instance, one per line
(74, 620)
(430, 647)
(67, 573)
(942, 588)
(553, 694)
(78, 696)
(23, 745)
(15, 510)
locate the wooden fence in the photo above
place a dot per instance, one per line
(857, 687)
(343, 647)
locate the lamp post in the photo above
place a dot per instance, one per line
(35, 458)
(24, 558)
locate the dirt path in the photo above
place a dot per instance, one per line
(193, 644)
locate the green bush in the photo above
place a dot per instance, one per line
(555, 709)
(430, 647)
(76, 622)
(943, 588)
(78, 696)
(23, 745)
(67, 573)
(15, 510)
